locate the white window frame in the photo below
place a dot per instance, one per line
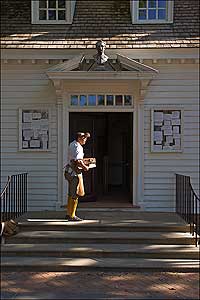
(135, 13)
(70, 7)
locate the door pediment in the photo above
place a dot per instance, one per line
(87, 67)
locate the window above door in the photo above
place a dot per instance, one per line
(101, 100)
(152, 11)
(53, 11)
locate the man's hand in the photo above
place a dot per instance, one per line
(82, 165)
(86, 168)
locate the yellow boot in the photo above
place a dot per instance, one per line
(73, 211)
(69, 207)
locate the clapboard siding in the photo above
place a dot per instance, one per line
(175, 86)
(27, 86)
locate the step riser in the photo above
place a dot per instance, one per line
(63, 268)
(167, 241)
(104, 229)
(188, 255)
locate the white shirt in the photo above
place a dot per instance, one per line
(75, 151)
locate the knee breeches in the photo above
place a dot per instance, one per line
(76, 186)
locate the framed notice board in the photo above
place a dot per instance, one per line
(34, 129)
(166, 130)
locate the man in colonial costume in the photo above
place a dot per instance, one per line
(73, 173)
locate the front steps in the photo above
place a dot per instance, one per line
(124, 241)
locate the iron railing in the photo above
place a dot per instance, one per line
(14, 197)
(188, 204)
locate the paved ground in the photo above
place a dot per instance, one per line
(74, 285)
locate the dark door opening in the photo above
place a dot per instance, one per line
(111, 143)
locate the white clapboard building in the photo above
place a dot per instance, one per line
(138, 99)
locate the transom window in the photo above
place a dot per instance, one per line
(101, 100)
(152, 11)
(52, 11)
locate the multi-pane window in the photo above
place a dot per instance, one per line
(101, 100)
(152, 11)
(52, 10)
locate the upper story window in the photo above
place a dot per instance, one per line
(52, 11)
(152, 11)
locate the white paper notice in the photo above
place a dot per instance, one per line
(44, 137)
(44, 121)
(158, 123)
(157, 136)
(167, 117)
(27, 133)
(169, 139)
(43, 131)
(176, 115)
(157, 147)
(176, 129)
(176, 122)
(36, 124)
(25, 144)
(27, 117)
(26, 125)
(36, 133)
(35, 144)
(158, 116)
(37, 115)
(167, 130)
(167, 122)
(176, 136)
(44, 127)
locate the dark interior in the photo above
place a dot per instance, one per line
(111, 145)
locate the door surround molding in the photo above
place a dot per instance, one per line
(63, 111)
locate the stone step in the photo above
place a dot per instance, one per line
(102, 225)
(54, 264)
(101, 250)
(48, 237)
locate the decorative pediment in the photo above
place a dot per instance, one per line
(101, 66)
(116, 63)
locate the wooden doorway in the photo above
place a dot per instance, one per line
(111, 143)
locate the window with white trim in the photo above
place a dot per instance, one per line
(52, 11)
(152, 11)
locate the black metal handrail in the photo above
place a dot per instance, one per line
(188, 204)
(14, 197)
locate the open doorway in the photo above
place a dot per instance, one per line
(111, 143)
